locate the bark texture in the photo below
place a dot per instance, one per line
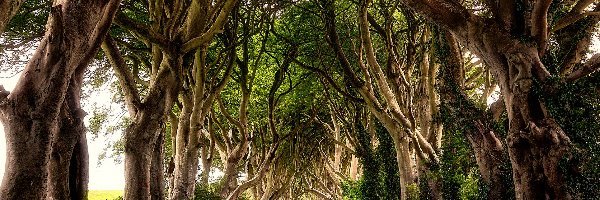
(8, 9)
(148, 115)
(535, 141)
(489, 152)
(141, 136)
(42, 116)
(157, 181)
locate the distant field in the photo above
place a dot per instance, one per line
(104, 194)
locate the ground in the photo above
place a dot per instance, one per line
(104, 194)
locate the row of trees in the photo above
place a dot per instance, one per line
(313, 99)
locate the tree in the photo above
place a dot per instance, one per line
(403, 102)
(9, 9)
(42, 116)
(461, 114)
(512, 38)
(172, 32)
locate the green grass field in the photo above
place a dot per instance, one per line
(104, 194)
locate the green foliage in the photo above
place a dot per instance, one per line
(576, 107)
(380, 179)
(206, 192)
(370, 184)
(350, 190)
(458, 169)
(30, 21)
(388, 172)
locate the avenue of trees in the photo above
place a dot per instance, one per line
(306, 99)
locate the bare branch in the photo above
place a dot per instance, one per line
(214, 28)
(140, 30)
(329, 80)
(126, 80)
(226, 113)
(539, 23)
(572, 18)
(591, 66)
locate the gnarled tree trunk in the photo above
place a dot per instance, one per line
(535, 141)
(42, 116)
(489, 151)
(157, 181)
(141, 136)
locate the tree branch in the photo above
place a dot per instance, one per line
(8, 9)
(572, 18)
(334, 42)
(329, 80)
(99, 32)
(214, 28)
(126, 80)
(140, 30)
(589, 67)
(226, 113)
(539, 23)
(3, 95)
(447, 13)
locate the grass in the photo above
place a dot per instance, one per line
(104, 194)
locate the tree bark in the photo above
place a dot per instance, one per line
(66, 166)
(207, 160)
(148, 117)
(406, 168)
(157, 184)
(137, 170)
(79, 170)
(141, 139)
(142, 135)
(489, 151)
(8, 9)
(535, 141)
(43, 105)
(186, 155)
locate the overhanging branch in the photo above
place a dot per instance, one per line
(589, 67)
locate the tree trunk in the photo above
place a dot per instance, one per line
(65, 164)
(137, 170)
(140, 143)
(536, 143)
(488, 150)
(405, 166)
(207, 160)
(157, 184)
(489, 154)
(37, 113)
(229, 181)
(186, 154)
(186, 167)
(354, 167)
(79, 170)
(141, 139)
(8, 9)
(142, 134)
